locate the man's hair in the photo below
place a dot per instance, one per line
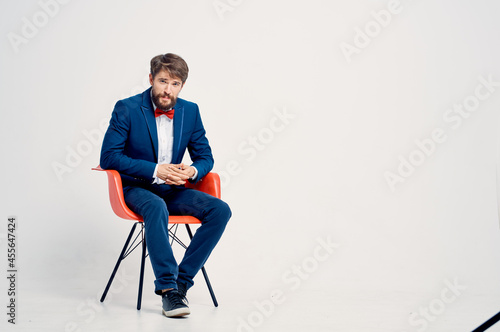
(172, 63)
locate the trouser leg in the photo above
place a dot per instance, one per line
(214, 215)
(155, 214)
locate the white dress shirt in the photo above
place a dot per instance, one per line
(165, 129)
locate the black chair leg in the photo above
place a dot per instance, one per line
(122, 256)
(205, 275)
(124, 253)
(212, 294)
(143, 260)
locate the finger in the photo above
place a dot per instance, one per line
(176, 170)
(178, 178)
(177, 182)
(180, 174)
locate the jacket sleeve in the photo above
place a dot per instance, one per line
(114, 144)
(199, 149)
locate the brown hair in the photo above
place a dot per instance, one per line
(172, 63)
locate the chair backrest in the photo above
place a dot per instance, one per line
(210, 184)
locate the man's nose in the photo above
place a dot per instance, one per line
(168, 89)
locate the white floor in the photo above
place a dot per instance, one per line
(59, 307)
(294, 286)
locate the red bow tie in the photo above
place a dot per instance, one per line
(169, 113)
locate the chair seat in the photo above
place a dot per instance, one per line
(174, 219)
(183, 220)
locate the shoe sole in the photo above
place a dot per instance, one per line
(176, 312)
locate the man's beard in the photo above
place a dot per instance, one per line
(164, 106)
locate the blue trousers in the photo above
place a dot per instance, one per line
(155, 203)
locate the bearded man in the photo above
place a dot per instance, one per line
(147, 137)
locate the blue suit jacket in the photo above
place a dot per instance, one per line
(130, 144)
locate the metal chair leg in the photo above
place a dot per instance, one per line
(122, 256)
(212, 294)
(205, 275)
(124, 253)
(143, 260)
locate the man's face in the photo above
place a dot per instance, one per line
(165, 89)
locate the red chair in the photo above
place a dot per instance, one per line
(210, 184)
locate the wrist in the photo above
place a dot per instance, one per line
(194, 174)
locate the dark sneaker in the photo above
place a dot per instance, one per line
(173, 306)
(182, 290)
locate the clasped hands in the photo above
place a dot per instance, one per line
(175, 174)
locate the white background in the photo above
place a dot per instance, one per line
(319, 177)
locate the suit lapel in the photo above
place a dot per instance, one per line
(149, 116)
(178, 126)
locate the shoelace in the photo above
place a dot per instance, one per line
(184, 299)
(175, 298)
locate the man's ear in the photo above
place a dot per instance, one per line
(151, 79)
